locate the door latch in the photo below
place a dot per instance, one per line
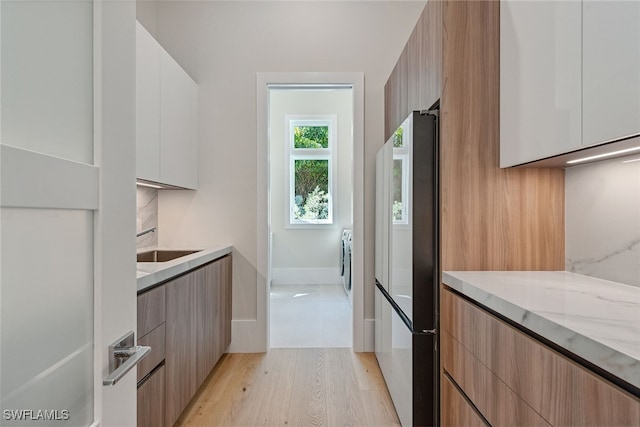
(124, 355)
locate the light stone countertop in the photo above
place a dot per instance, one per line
(150, 274)
(595, 319)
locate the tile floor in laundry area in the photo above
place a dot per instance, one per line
(305, 316)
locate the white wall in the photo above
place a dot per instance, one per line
(602, 202)
(297, 250)
(223, 45)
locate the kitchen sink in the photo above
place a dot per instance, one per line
(163, 255)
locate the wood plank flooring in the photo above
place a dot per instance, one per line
(293, 387)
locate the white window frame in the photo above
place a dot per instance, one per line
(403, 153)
(292, 154)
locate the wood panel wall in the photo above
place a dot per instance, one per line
(492, 218)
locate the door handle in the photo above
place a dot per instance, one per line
(123, 356)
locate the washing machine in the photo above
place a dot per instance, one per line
(345, 259)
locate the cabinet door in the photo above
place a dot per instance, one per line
(611, 70)
(424, 59)
(213, 315)
(223, 319)
(178, 125)
(540, 87)
(396, 105)
(151, 400)
(147, 105)
(208, 306)
(181, 344)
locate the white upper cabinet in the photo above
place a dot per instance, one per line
(540, 92)
(167, 117)
(178, 125)
(147, 106)
(611, 71)
(569, 77)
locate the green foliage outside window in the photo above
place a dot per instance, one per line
(315, 206)
(397, 138)
(311, 137)
(397, 189)
(311, 177)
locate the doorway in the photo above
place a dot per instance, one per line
(300, 238)
(310, 191)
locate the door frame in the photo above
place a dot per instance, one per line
(115, 294)
(263, 277)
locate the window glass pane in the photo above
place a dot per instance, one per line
(397, 138)
(311, 137)
(311, 190)
(398, 207)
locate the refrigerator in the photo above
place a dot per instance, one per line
(407, 270)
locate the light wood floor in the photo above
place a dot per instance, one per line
(293, 387)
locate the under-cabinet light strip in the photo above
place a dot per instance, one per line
(144, 184)
(600, 156)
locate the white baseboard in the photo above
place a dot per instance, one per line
(247, 336)
(369, 335)
(306, 276)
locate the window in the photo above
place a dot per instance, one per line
(311, 158)
(401, 177)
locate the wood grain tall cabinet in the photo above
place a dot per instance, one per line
(416, 80)
(490, 218)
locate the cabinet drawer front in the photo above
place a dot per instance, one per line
(560, 390)
(151, 401)
(151, 310)
(497, 402)
(456, 411)
(154, 339)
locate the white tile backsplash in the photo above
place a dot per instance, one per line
(602, 202)
(147, 215)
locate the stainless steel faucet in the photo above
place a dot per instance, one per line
(148, 230)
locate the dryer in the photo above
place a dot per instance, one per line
(345, 259)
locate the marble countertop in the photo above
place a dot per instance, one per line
(595, 319)
(150, 274)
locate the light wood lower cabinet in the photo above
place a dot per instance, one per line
(198, 331)
(187, 323)
(514, 379)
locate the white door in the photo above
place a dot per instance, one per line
(67, 215)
